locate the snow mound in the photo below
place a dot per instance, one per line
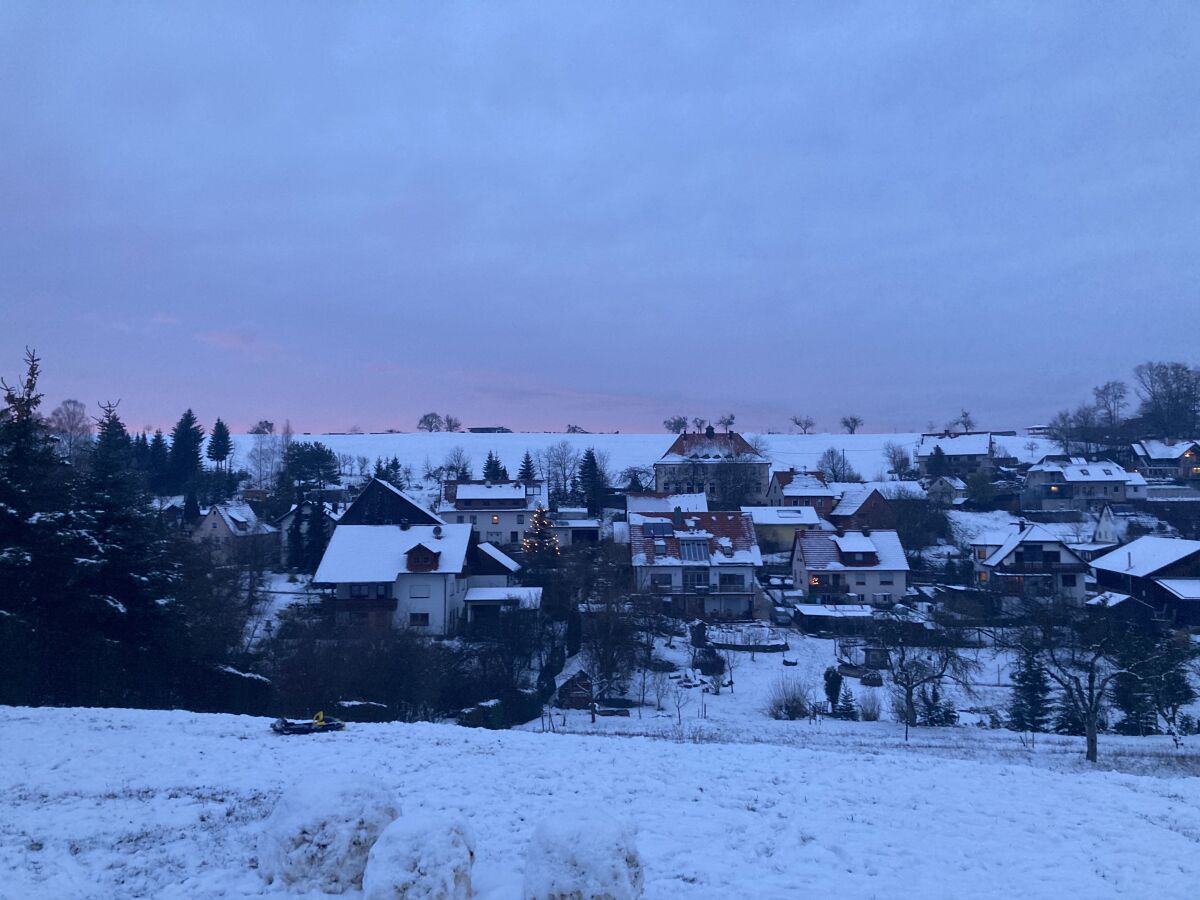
(320, 832)
(586, 855)
(425, 858)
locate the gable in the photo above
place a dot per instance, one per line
(382, 503)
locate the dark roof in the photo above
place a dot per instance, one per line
(719, 445)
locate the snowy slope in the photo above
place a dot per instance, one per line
(104, 803)
(863, 451)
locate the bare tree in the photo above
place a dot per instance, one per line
(431, 422)
(726, 421)
(660, 683)
(834, 467)
(457, 464)
(450, 423)
(964, 422)
(1170, 395)
(675, 424)
(852, 424)
(804, 423)
(70, 423)
(913, 667)
(266, 454)
(1111, 399)
(898, 459)
(731, 663)
(680, 698)
(559, 464)
(699, 423)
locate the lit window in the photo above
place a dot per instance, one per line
(495, 520)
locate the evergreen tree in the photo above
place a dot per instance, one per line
(932, 710)
(295, 540)
(1131, 693)
(936, 465)
(833, 686)
(1029, 709)
(158, 464)
(220, 445)
(492, 470)
(540, 548)
(186, 439)
(846, 707)
(527, 471)
(592, 482)
(316, 537)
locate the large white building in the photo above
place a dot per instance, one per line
(498, 511)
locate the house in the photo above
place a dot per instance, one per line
(1028, 562)
(382, 503)
(301, 515)
(571, 525)
(1176, 460)
(1161, 572)
(775, 527)
(801, 488)
(662, 501)
(862, 506)
(410, 576)
(947, 490)
(701, 564)
(964, 453)
(725, 467)
(235, 534)
(833, 567)
(498, 510)
(1062, 482)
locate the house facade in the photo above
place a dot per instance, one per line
(1172, 460)
(856, 567)
(498, 511)
(1061, 483)
(234, 534)
(946, 491)
(382, 503)
(699, 564)
(791, 487)
(964, 453)
(414, 577)
(1027, 562)
(722, 466)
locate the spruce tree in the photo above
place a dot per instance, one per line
(527, 471)
(593, 486)
(846, 707)
(833, 686)
(220, 445)
(492, 470)
(295, 540)
(158, 463)
(1030, 709)
(186, 439)
(540, 548)
(316, 537)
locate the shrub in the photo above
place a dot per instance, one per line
(789, 699)
(710, 663)
(869, 707)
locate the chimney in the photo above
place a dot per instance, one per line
(1129, 560)
(1021, 524)
(677, 518)
(840, 531)
(404, 524)
(866, 530)
(437, 532)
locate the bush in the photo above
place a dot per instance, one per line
(583, 854)
(789, 700)
(318, 836)
(426, 857)
(869, 707)
(710, 663)
(658, 664)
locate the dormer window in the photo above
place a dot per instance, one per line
(693, 550)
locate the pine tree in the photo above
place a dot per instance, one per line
(492, 470)
(527, 471)
(833, 686)
(158, 463)
(937, 465)
(1029, 709)
(593, 486)
(846, 706)
(295, 539)
(1132, 694)
(186, 439)
(316, 537)
(540, 548)
(220, 445)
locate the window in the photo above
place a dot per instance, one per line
(520, 518)
(1068, 581)
(418, 620)
(512, 537)
(359, 590)
(495, 520)
(983, 577)
(383, 591)
(693, 550)
(418, 592)
(860, 580)
(661, 580)
(694, 578)
(472, 520)
(732, 580)
(886, 578)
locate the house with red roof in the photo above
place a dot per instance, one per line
(722, 465)
(864, 566)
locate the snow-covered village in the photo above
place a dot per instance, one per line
(599, 453)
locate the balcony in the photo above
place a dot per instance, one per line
(1041, 568)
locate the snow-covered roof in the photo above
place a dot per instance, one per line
(842, 611)
(804, 484)
(498, 555)
(491, 491)
(852, 501)
(377, 553)
(525, 597)
(820, 550)
(661, 501)
(951, 481)
(1078, 470)
(411, 499)
(1031, 534)
(728, 539)
(1146, 555)
(1168, 450)
(1183, 588)
(975, 443)
(241, 519)
(1108, 598)
(782, 515)
(711, 448)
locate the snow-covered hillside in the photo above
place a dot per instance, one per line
(104, 803)
(863, 451)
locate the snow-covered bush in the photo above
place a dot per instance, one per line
(423, 857)
(320, 832)
(583, 855)
(869, 706)
(789, 699)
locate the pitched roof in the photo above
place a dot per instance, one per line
(524, 597)
(782, 515)
(804, 484)
(1031, 534)
(499, 556)
(728, 539)
(719, 447)
(377, 553)
(973, 443)
(241, 519)
(1168, 449)
(852, 502)
(1078, 471)
(820, 550)
(1183, 588)
(1146, 555)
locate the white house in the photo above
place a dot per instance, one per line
(414, 576)
(498, 511)
(849, 566)
(1027, 561)
(1061, 482)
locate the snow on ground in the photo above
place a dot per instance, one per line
(103, 803)
(802, 451)
(278, 591)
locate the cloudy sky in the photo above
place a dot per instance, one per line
(349, 214)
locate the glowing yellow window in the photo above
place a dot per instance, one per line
(495, 520)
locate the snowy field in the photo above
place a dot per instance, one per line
(104, 803)
(802, 451)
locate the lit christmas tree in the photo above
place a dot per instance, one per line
(540, 544)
